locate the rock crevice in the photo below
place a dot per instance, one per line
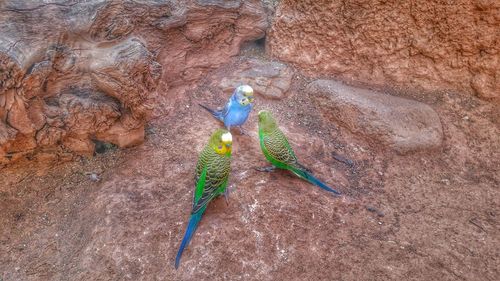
(73, 72)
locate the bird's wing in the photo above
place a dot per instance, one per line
(226, 109)
(278, 147)
(211, 183)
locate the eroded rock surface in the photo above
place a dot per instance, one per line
(74, 72)
(269, 79)
(402, 124)
(425, 44)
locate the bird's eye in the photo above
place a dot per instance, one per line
(220, 147)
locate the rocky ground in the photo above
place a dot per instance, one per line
(429, 214)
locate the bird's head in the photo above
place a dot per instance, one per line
(244, 95)
(266, 120)
(222, 142)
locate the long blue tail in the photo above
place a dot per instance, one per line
(193, 223)
(216, 113)
(310, 178)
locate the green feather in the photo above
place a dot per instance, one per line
(212, 173)
(276, 148)
(200, 186)
(278, 151)
(211, 177)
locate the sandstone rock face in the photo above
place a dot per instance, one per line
(73, 72)
(413, 44)
(403, 125)
(269, 79)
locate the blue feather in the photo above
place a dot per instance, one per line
(233, 113)
(193, 224)
(215, 113)
(312, 179)
(236, 114)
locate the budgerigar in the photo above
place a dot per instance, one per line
(277, 150)
(235, 112)
(212, 173)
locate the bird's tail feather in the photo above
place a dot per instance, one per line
(193, 223)
(307, 175)
(216, 113)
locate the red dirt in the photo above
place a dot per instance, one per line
(425, 216)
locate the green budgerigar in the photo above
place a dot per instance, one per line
(278, 151)
(212, 173)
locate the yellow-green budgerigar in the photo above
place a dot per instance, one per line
(278, 151)
(212, 173)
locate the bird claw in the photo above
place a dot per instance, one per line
(243, 132)
(267, 169)
(226, 196)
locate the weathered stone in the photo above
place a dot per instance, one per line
(88, 112)
(81, 145)
(18, 117)
(269, 79)
(36, 114)
(21, 144)
(49, 136)
(486, 87)
(122, 136)
(427, 45)
(7, 133)
(84, 68)
(401, 124)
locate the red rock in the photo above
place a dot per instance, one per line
(7, 136)
(46, 157)
(425, 45)
(486, 86)
(401, 124)
(81, 145)
(122, 136)
(109, 77)
(269, 79)
(49, 136)
(22, 144)
(36, 113)
(18, 117)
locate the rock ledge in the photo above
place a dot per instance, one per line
(402, 124)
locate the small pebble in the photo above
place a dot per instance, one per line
(94, 177)
(446, 181)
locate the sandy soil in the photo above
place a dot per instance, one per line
(425, 216)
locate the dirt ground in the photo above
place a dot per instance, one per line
(121, 215)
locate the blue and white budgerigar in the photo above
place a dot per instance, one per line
(211, 177)
(236, 111)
